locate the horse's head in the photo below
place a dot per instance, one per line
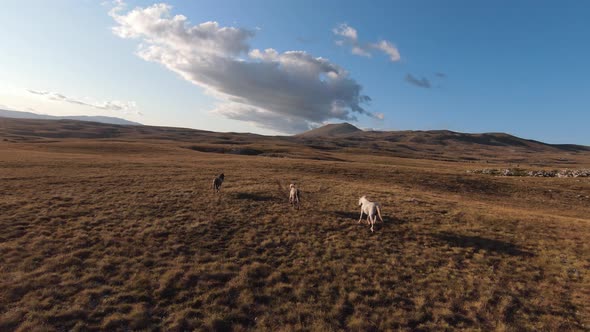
(221, 176)
(362, 200)
(291, 186)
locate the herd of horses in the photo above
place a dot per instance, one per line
(369, 208)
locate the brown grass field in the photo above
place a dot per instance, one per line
(110, 228)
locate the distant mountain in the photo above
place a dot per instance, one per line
(100, 119)
(330, 130)
(428, 140)
(331, 143)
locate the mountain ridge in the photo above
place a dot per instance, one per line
(332, 129)
(441, 145)
(432, 137)
(88, 118)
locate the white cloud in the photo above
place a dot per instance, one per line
(346, 31)
(160, 28)
(387, 48)
(360, 51)
(288, 92)
(349, 37)
(269, 54)
(111, 105)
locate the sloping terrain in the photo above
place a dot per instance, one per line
(490, 148)
(124, 232)
(331, 130)
(98, 118)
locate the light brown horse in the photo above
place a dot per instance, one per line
(294, 197)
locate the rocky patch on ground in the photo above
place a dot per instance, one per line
(563, 173)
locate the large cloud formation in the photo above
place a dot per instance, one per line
(287, 92)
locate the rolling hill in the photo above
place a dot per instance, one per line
(116, 228)
(332, 142)
(100, 119)
(331, 130)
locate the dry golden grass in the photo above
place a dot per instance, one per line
(108, 235)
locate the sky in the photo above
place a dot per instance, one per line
(282, 67)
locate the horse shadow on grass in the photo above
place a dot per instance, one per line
(356, 215)
(482, 243)
(347, 214)
(255, 197)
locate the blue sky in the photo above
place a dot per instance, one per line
(506, 66)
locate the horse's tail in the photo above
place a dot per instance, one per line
(294, 197)
(379, 213)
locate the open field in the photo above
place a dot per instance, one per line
(123, 232)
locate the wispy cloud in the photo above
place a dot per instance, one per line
(387, 48)
(6, 107)
(440, 75)
(114, 105)
(422, 82)
(286, 91)
(349, 36)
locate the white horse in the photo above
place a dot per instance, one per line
(294, 196)
(371, 209)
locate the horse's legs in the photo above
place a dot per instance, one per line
(361, 217)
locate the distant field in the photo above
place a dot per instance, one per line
(124, 233)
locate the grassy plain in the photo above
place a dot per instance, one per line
(124, 233)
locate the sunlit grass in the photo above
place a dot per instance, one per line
(131, 241)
